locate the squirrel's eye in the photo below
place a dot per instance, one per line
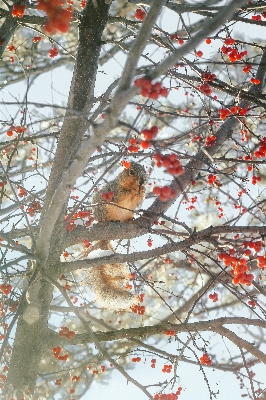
(131, 172)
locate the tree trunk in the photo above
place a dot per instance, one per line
(29, 342)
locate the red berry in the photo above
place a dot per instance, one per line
(153, 95)
(157, 190)
(145, 144)
(166, 191)
(164, 92)
(255, 81)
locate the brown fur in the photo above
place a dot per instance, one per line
(107, 281)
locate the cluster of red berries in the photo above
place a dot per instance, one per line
(149, 242)
(11, 48)
(174, 36)
(261, 262)
(243, 278)
(22, 192)
(128, 286)
(126, 164)
(224, 112)
(170, 162)
(56, 351)
(108, 196)
(149, 89)
(254, 81)
(210, 140)
(53, 52)
(219, 208)
(252, 303)
(211, 179)
(78, 215)
(83, 3)
(149, 134)
(169, 396)
(141, 297)
(170, 333)
(253, 245)
(59, 18)
(241, 192)
(18, 10)
(86, 243)
(239, 269)
(71, 226)
(133, 147)
(81, 214)
(231, 52)
(213, 297)
(74, 299)
(192, 201)
(205, 359)
(205, 88)
(247, 68)
(95, 370)
(65, 332)
(17, 129)
(208, 76)
(140, 14)
(255, 179)
(247, 157)
(257, 17)
(261, 152)
(167, 368)
(136, 359)
(6, 289)
(153, 362)
(164, 193)
(36, 39)
(33, 207)
(140, 310)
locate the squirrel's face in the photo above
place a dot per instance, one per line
(133, 177)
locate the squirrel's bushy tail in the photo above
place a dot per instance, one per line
(107, 282)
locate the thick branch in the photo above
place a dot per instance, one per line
(241, 343)
(124, 230)
(147, 331)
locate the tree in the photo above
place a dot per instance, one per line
(201, 227)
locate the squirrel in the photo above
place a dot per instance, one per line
(128, 192)
(107, 281)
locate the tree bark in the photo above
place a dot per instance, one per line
(29, 342)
